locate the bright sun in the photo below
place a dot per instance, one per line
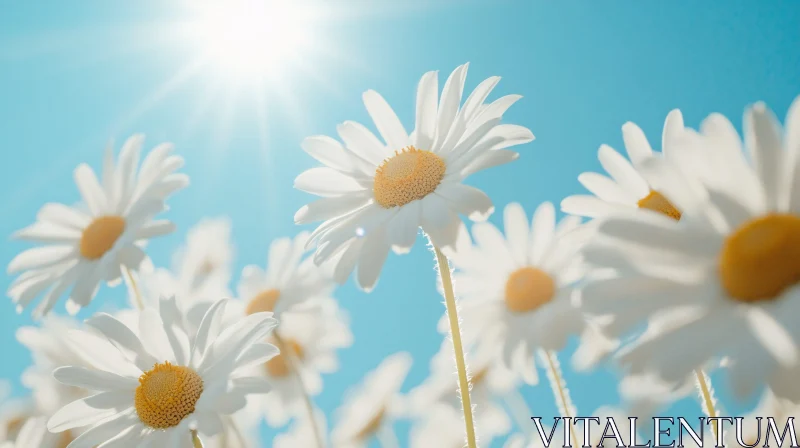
(252, 39)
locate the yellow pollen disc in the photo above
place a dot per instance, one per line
(372, 426)
(409, 175)
(100, 235)
(166, 395)
(656, 202)
(263, 302)
(761, 258)
(529, 288)
(279, 366)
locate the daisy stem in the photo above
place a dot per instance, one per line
(293, 363)
(137, 295)
(706, 396)
(559, 386)
(455, 332)
(196, 443)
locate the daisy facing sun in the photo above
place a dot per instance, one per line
(376, 195)
(729, 273)
(84, 246)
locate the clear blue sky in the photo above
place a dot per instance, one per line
(75, 74)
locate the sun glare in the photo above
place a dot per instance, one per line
(252, 39)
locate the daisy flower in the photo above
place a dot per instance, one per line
(13, 412)
(490, 381)
(625, 187)
(33, 433)
(301, 433)
(84, 246)
(442, 426)
(290, 279)
(156, 388)
(726, 277)
(368, 410)
(308, 338)
(519, 290)
(377, 194)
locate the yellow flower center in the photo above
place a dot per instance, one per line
(166, 395)
(529, 288)
(372, 426)
(263, 302)
(14, 425)
(409, 175)
(656, 202)
(100, 235)
(280, 366)
(64, 439)
(761, 258)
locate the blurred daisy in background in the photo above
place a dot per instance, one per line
(442, 426)
(308, 338)
(377, 194)
(13, 412)
(159, 386)
(519, 290)
(369, 409)
(627, 187)
(491, 381)
(768, 406)
(301, 433)
(200, 273)
(32, 433)
(96, 242)
(290, 278)
(727, 277)
(239, 430)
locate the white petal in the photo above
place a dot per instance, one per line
(63, 215)
(622, 171)
(636, 143)
(448, 107)
(41, 257)
(606, 189)
(467, 200)
(516, 228)
(326, 182)
(155, 228)
(94, 379)
(329, 152)
(673, 129)
(363, 143)
(123, 338)
(90, 189)
(390, 127)
(404, 226)
(48, 232)
(327, 208)
(489, 159)
(542, 231)
(88, 410)
(373, 255)
(427, 104)
(763, 138)
(105, 430)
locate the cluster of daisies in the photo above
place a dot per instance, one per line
(678, 262)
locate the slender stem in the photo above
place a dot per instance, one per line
(561, 393)
(520, 412)
(293, 366)
(137, 295)
(455, 332)
(196, 442)
(387, 437)
(706, 397)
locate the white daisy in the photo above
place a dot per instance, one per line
(311, 334)
(154, 388)
(50, 348)
(377, 194)
(371, 407)
(84, 247)
(518, 290)
(289, 279)
(201, 271)
(33, 433)
(301, 433)
(626, 188)
(726, 276)
(442, 426)
(490, 381)
(13, 412)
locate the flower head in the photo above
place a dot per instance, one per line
(85, 246)
(377, 194)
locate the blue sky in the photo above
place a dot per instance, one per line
(75, 74)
